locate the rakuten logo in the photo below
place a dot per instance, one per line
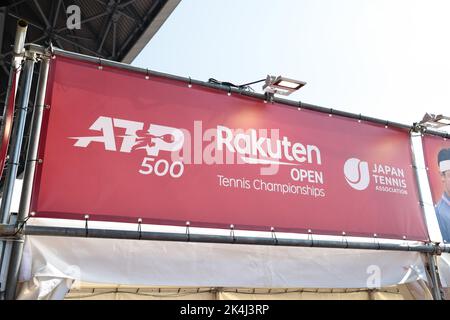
(256, 149)
(357, 173)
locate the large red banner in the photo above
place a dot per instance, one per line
(119, 146)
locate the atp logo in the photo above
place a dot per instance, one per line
(134, 137)
(157, 138)
(357, 173)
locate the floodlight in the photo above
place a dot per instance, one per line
(282, 85)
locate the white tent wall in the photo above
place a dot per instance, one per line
(444, 273)
(51, 264)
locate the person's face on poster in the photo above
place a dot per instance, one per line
(446, 181)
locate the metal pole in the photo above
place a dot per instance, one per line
(204, 238)
(433, 270)
(21, 34)
(8, 110)
(32, 152)
(6, 254)
(416, 176)
(16, 143)
(14, 73)
(16, 140)
(30, 168)
(434, 278)
(18, 50)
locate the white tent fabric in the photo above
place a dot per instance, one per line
(51, 264)
(444, 271)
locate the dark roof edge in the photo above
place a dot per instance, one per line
(151, 30)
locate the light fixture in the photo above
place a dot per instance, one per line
(281, 85)
(435, 121)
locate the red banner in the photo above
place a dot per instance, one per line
(118, 146)
(437, 159)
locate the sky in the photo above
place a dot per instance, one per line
(386, 59)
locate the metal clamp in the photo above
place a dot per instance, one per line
(437, 249)
(407, 243)
(86, 229)
(344, 238)
(188, 233)
(139, 229)
(375, 239)
(274, 236)
(51, 50)
(100, 66)
(232, 232)
(268, 97)
(21, 225)
(310, 237)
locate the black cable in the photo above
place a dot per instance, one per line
(250, 83)
(223, 83)
(245, 86)
(22, 225)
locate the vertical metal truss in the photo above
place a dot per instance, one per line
(102, 25)
(108, 29)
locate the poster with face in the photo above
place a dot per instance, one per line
(437, 159)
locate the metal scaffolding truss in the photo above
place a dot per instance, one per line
(111, 29)
(108, 28)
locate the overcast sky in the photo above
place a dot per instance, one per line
(384, 58)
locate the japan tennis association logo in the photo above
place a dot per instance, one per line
(357, 173)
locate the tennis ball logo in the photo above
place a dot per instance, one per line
(357, 173)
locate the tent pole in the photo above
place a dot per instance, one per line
(30, 168)
(437, 295)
